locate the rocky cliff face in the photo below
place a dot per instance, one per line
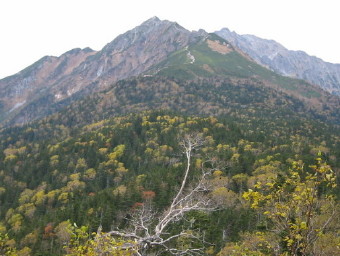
(31, 93)
(135, 51)
(23, 87)
(289, 63)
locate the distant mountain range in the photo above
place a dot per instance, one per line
(296, 64)
(160, 48)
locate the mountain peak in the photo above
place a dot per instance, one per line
(152, 20)
(155, 23)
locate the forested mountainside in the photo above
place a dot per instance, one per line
(204, 152)
(100, 175)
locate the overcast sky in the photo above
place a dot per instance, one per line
(31, 29)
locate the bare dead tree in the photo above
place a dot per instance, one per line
(149, 234)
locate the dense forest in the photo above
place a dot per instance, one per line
(269, 185)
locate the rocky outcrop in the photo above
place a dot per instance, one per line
(295, 64)
(18, 90)
(135, 51)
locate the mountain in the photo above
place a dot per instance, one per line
(288, 63)
(52, 82)
(208, 77)
(19, 90)
(107, 141)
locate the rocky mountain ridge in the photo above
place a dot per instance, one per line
(295, 64)
(156, 47)
(52, 80)
(18, 89)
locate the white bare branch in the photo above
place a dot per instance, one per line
(147, 234)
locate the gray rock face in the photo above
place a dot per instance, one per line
(296, 64)
(137, 50)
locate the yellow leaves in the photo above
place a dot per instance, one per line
(297, 197)
(146, 123)
(213, 120)
(303, 225)
(27, 209)
(75, 185)
(2, 228)
(223, 147)
(15, 221)
(235, 157)
(10, 151)
(289, 241)
(39, 197)
(95, 126)
(148, 151)
(165, 148)
(7, 245)
(191, 122)
(81, 164)
(270, 184)
(217, 173)
(254, 197)
(241, 142)
(120, 190)
(240, 179)
(253, 244)
(31, 238)
(75, 176)
(90, 174)
(26, 251)
(330, 177)
(198, 163)
(117, 152)
(266, 169)
(103, 151)
(54, 160)
(25, 196)
(247, 147)
(53, 148)
(219, 125)
(223, 196)
(210, 250)
(209, 140)
(121, 169)
(90, 211)
(63, 231)
(51, 196)
(282, 214)
(293, 203)
(82, 243)
(140, 179)
(10, 158)
(63, 197)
